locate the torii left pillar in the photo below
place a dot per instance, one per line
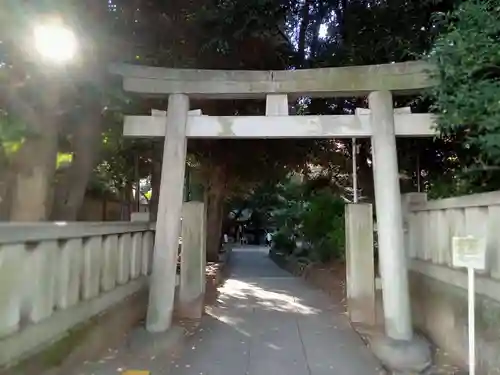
(162, 287)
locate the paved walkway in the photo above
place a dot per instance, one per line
(268, 322)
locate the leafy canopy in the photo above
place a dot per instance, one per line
(468, 68)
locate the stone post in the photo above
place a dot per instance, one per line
(360, 268)
(277, 105)
(193, 259)
(408, 201)
(399, 350)
(411, 200)
(162, 287)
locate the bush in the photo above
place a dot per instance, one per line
(323, 226)
(283, 242)
(314, 216)
(468, 71)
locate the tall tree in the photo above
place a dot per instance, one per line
(55, 105)
(466, 55)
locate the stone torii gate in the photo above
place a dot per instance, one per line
(381, 122)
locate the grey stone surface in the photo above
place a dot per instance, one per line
(193, 261)
(141, 350)
(439, 307)
(389, 212)
(406, 77)
(36, 336)
(268, 322)
(281, 126)
(162, 286)
(154, 344)
(360, 267)
(60, 275)
(265, 322)
(405, 357)
(35, 232)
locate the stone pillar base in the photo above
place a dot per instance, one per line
(191, 309)
(155, 344)
(402, 357)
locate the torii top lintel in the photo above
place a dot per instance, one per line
(400, 78)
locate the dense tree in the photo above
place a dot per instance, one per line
(82, 114)
(55, 108)
(466, 99)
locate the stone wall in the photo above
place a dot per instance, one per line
(439, 291)
(57, 276)
(86, 341)
(440, 310)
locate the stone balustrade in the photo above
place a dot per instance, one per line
(54, 276)
(433, 224)
(438, 290)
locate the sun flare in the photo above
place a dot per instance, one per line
(55, 42)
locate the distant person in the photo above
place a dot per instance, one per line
(239, 234)
(269, 238)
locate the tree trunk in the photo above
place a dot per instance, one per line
(320, 15)
(304, 25)
(365, 174)
(5, 185)
(155, 181)
(71, 187)
(34, 166)
(129, 199)
(214, 200)
(214, 226)
(137, 178)
(4, 198)
(126, 201)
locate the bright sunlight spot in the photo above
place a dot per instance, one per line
(55, 42)
(323, 31)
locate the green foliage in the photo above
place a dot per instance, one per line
(11, 128)
(467, 98)
(315, 217)
(323, 226)
(244, 34)
(12, 132)
(283, 241)
(289, 206)
(464, 182)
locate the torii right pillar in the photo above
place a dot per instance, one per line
(400, 350)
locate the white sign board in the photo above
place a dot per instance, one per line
(469, 252)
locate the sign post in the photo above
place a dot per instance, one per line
(470, 252)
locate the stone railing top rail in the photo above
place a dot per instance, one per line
(474, 200)
(32, 232)
(400, 78)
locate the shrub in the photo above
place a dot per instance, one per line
(323, 226)
(468, 71)
(282, 241)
